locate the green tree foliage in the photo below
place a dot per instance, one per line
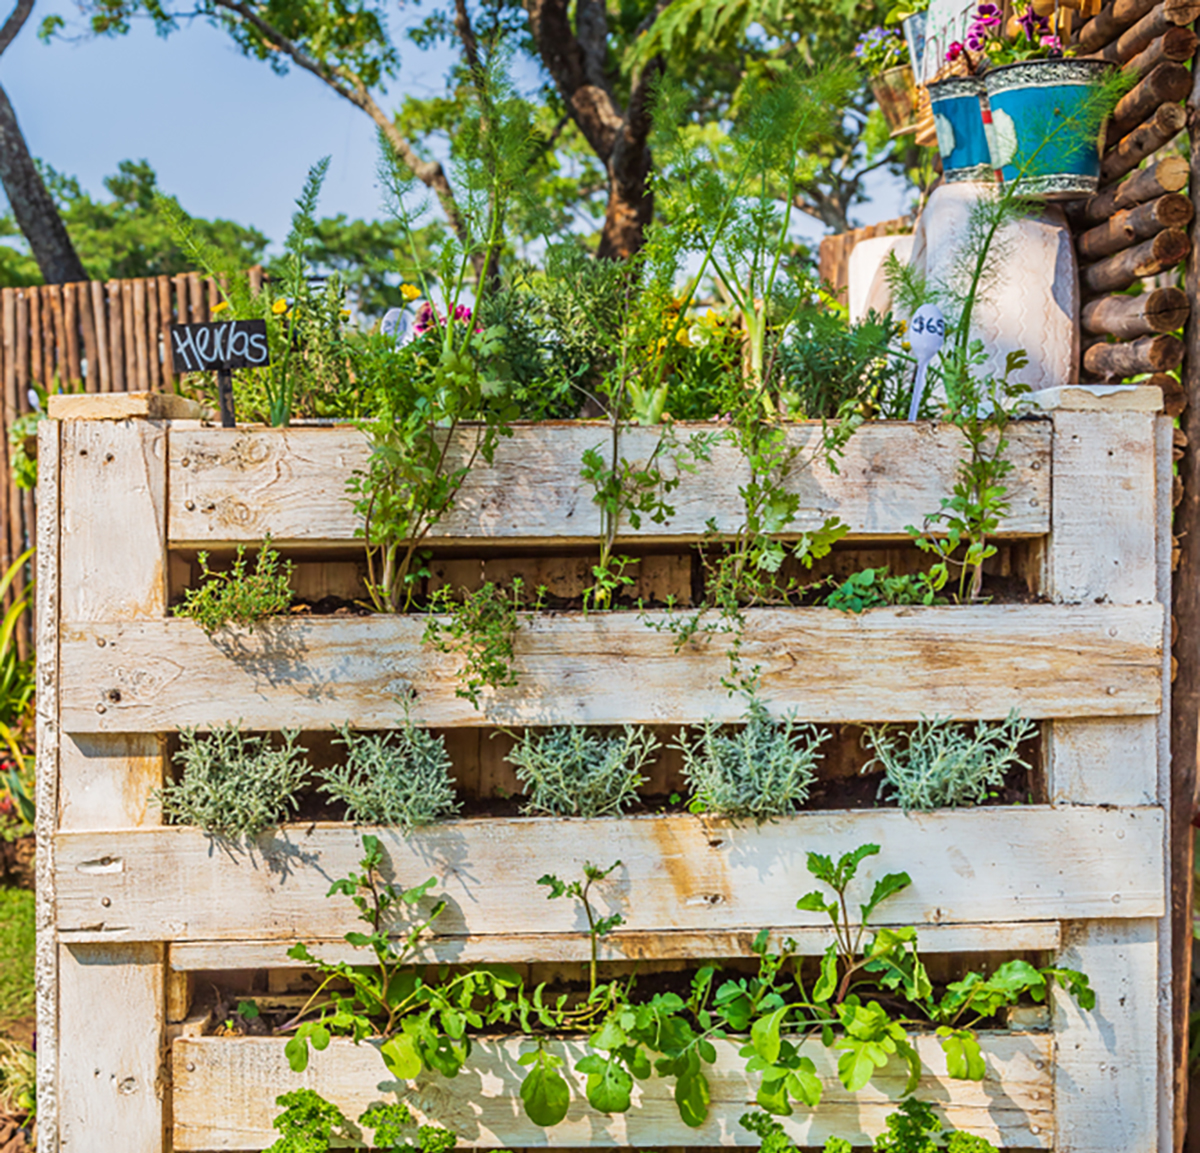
(124, 236)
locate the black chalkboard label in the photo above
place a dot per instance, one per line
(220, 345)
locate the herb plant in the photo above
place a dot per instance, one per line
(399, 778)
(762, 770)
(235, 785)
(873, 588)
(239, 597)
(941, 764)
(570, 771)
(598, 927)
(481, 628)
(309, 1124)
(862, 1004)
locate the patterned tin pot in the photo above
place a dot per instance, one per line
(957, 104)
(896, 93)
(1034, 104)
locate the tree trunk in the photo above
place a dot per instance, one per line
(32, 205)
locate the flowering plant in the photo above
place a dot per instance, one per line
(1034, 39)
(881, 49)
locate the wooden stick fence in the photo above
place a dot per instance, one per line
(94, 336)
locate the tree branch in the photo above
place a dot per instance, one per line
(350, 87)
(14, 23)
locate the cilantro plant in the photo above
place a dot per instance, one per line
(400, 778)
(235, 785)
(866, 997)
(571, 771)
(942, 764)
(237, 596)
(762, 769)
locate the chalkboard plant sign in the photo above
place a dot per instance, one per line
(221, 347)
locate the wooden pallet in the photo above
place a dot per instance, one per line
(130, 910)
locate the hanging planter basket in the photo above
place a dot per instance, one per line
(961, 136)
(1032, 104)
(896, 92)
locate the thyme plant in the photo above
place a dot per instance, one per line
(399, 778)
(761, 770)
(943, 764)
(571, 771)
(238, 596)
(235, 785)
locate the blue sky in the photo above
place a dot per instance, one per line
(226, 135)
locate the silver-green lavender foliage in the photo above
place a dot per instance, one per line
(945, 764)
(400, 778)
(573, 772)
(761, 770)
(233, 784)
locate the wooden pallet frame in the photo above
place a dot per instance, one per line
(118, 937)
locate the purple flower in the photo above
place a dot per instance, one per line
(1033, 25)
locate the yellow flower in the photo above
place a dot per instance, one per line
(345, 314)
(906, 345)
(903, 326)
(279, 307)
(410, 292)
(684, 337)
(220, 306)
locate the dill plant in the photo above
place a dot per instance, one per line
(570, 772)
(235, 785)
(761, 770)
(945, 764)
(400, 778)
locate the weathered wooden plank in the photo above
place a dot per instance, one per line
(669, 945)
(888, 664)
(46, 819)
(239, 485)
(111, 1002)
(125, 406)
(1106, 1073)
(225, 1092)
(678, 872)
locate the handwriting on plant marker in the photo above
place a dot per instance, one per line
(927, 334)
(220, 345)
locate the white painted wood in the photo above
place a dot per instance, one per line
(968, 866)
(113, 520)
(239, 485)
(225, 1092)
(111, 1083)
(888, 664)
(1103, 761)
(1164, 454)
(126, 406)
(1098, 398)
(1103, 523)
(46, 961)
(111, 996)
(1107, 1083)
(671, 944)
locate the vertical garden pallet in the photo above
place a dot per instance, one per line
(130, 910)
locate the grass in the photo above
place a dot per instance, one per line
(16, 955)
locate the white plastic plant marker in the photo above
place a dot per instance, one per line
(926, 334)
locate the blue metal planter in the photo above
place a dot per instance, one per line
(962, 141)
(1033, 104)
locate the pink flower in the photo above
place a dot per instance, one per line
(954, 52)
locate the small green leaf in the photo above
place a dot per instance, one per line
(826, 984)
(400, 1055)
(544, 1093)
(764, 1035)
(964, 1060)
(692, 1096)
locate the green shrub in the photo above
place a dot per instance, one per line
(944, 764)
(762, 770)
(873, 588)
(238, 597)
(571, 772)
(400, 778)
(233, 784)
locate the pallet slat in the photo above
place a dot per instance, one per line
(678, 873)
(224, 1094)
(237, 485)
(885, 665)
